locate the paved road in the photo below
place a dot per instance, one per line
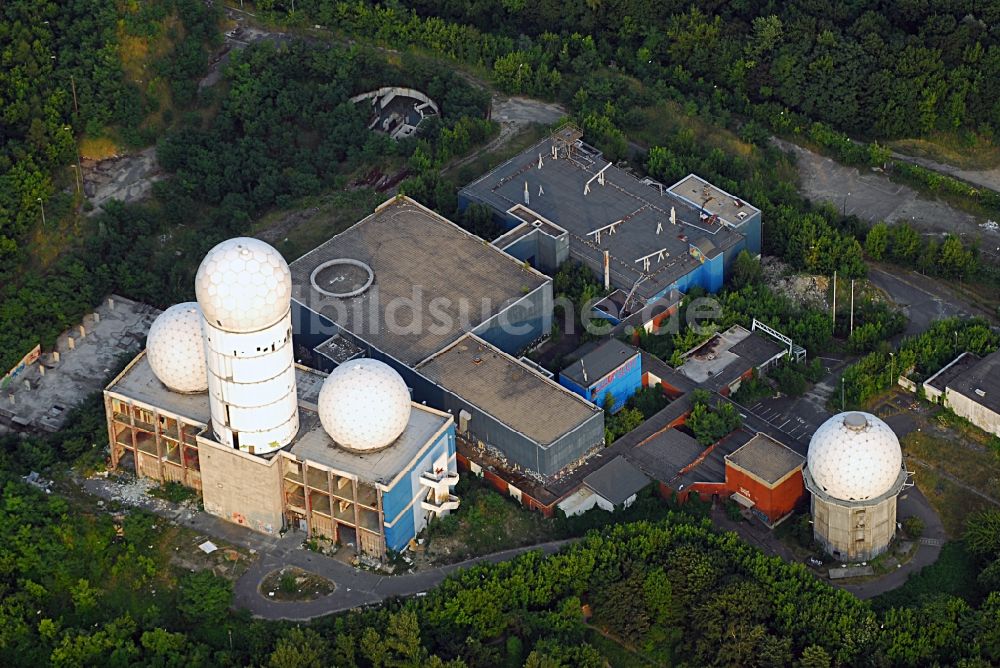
(922, 299)
(354, 587)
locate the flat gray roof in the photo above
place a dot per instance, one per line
(981, 383)
(617, 480)
(507, 390)
(599, 362)
(140, 384)
(454, 279)
(382, 466)
(766, 458)
(47, 400)
(556, 191)
(715, 201)
(664, 455)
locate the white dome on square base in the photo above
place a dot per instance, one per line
(364, 405)
(243, 285)
(854, 457)
(176, 351)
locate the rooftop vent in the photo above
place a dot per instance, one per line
(855, 421)
(477, 360)
(981, 393)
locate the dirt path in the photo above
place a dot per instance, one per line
(872, 196)
(984, 178)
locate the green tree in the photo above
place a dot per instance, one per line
(300, 648)
(877, 241)
(204, 598)
(746, 270)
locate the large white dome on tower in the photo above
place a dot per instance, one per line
(175, 349)
(854, 456)
(364, 405)
(243, 285)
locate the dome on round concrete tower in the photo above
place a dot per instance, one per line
(364, 405)
(175, 349)
(243, 285)
(854, 456)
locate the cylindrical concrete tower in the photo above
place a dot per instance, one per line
(854, 471)
(244, 290)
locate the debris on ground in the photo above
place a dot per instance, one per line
(803, 289)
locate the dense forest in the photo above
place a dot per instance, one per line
(883, 69)
(77, 590)
(62, 75)
(283, 130)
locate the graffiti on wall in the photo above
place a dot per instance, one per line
(21, 366)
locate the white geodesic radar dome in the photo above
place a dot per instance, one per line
(175, 349)
(854, 456)
(364, 405)
(243, 285)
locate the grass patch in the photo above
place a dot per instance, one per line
(973, 465)
(950, 501)
(294, 584)
(97, 148)
(314, 220)
(966, 151)
(616, 654)
(953, 574)
(484, 162)
(485, 522)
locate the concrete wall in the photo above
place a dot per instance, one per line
(241, 488)
(854, 532)
(404, 517)
(520, 324)
(515, 446)
(974, 412)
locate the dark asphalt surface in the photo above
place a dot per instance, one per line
(355, 587)
(920, 297)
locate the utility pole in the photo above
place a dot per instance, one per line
(892, 368)
(79, 169)
(834, 300)
(843, 406)
(42, 204)
(72, 82)
(852, 307)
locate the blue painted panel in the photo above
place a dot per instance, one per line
(621, 384)
(408, 492)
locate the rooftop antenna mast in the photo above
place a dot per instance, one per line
(607, 229)
(599, 177)
(659, 255)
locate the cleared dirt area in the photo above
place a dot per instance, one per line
(294, 584)
(872, 196)
(128, 178)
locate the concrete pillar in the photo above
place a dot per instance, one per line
(71, 343)
(55, 356)
(83, 332)
(27, 385)
(111, 303)
(97, 317)
(41, 369)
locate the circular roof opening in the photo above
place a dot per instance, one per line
(342, 278)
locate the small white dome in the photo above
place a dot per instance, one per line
(364, 405)
(243, 285)
(176, 350)
(854, 456)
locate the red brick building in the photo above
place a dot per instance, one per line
(765, 477)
